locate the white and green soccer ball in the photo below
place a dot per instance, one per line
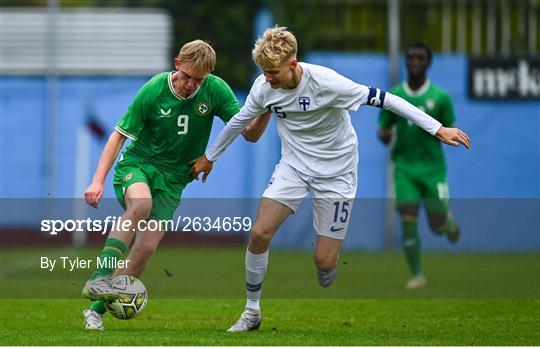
(132, 299)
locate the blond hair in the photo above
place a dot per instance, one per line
(200, 55)
(277, 45)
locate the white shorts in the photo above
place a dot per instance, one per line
(333, 197)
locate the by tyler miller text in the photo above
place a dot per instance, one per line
(74, 263)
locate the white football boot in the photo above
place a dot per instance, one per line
(92, 320)
(100, 289)
(326, 278)
(249, 320)
(416, 282)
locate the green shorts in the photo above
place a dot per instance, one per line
(166, 188)
(432, 188)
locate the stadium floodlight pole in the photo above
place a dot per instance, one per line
(461, 27)
(52, 98)
(522, 26)
(533, 20)
(505, 28)
(393, 39)
(491, 28)
(446, 27)
(477, 29)
(393, 51)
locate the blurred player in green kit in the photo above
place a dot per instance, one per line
(419, 163)
(169, 124)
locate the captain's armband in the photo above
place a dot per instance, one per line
(376, 97)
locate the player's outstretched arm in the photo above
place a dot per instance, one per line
(453, 136)
(201, 165)
(401, 107)
(204, 163)
(252, 132)
(255, 129)
(94, 192)
(235, 126)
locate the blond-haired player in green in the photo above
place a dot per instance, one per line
(169, 124)
(419, 164)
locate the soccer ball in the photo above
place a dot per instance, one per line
(132, 299)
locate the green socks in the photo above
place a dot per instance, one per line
(411, 243)
(113, 249)
(99, 306)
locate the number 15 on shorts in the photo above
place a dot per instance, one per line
(341, 215)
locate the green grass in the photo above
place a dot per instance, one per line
(471, 299)
(286, 322)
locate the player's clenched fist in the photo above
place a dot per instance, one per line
(93, 194)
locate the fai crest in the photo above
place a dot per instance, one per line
(203, 109)
(304, 103)
(430, 104)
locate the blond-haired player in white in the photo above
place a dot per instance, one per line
(318, 153)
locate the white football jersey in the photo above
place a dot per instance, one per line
(314, 125)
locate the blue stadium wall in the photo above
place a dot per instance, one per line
(495, 186)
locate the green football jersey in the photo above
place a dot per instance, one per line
(415, 148)
(170, 131)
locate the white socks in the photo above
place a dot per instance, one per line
(256, 265)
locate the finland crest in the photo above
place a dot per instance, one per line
(304, 103)
(203, 108)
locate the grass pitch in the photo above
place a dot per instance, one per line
(196, 294)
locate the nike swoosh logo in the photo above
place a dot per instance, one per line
(333, 229)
